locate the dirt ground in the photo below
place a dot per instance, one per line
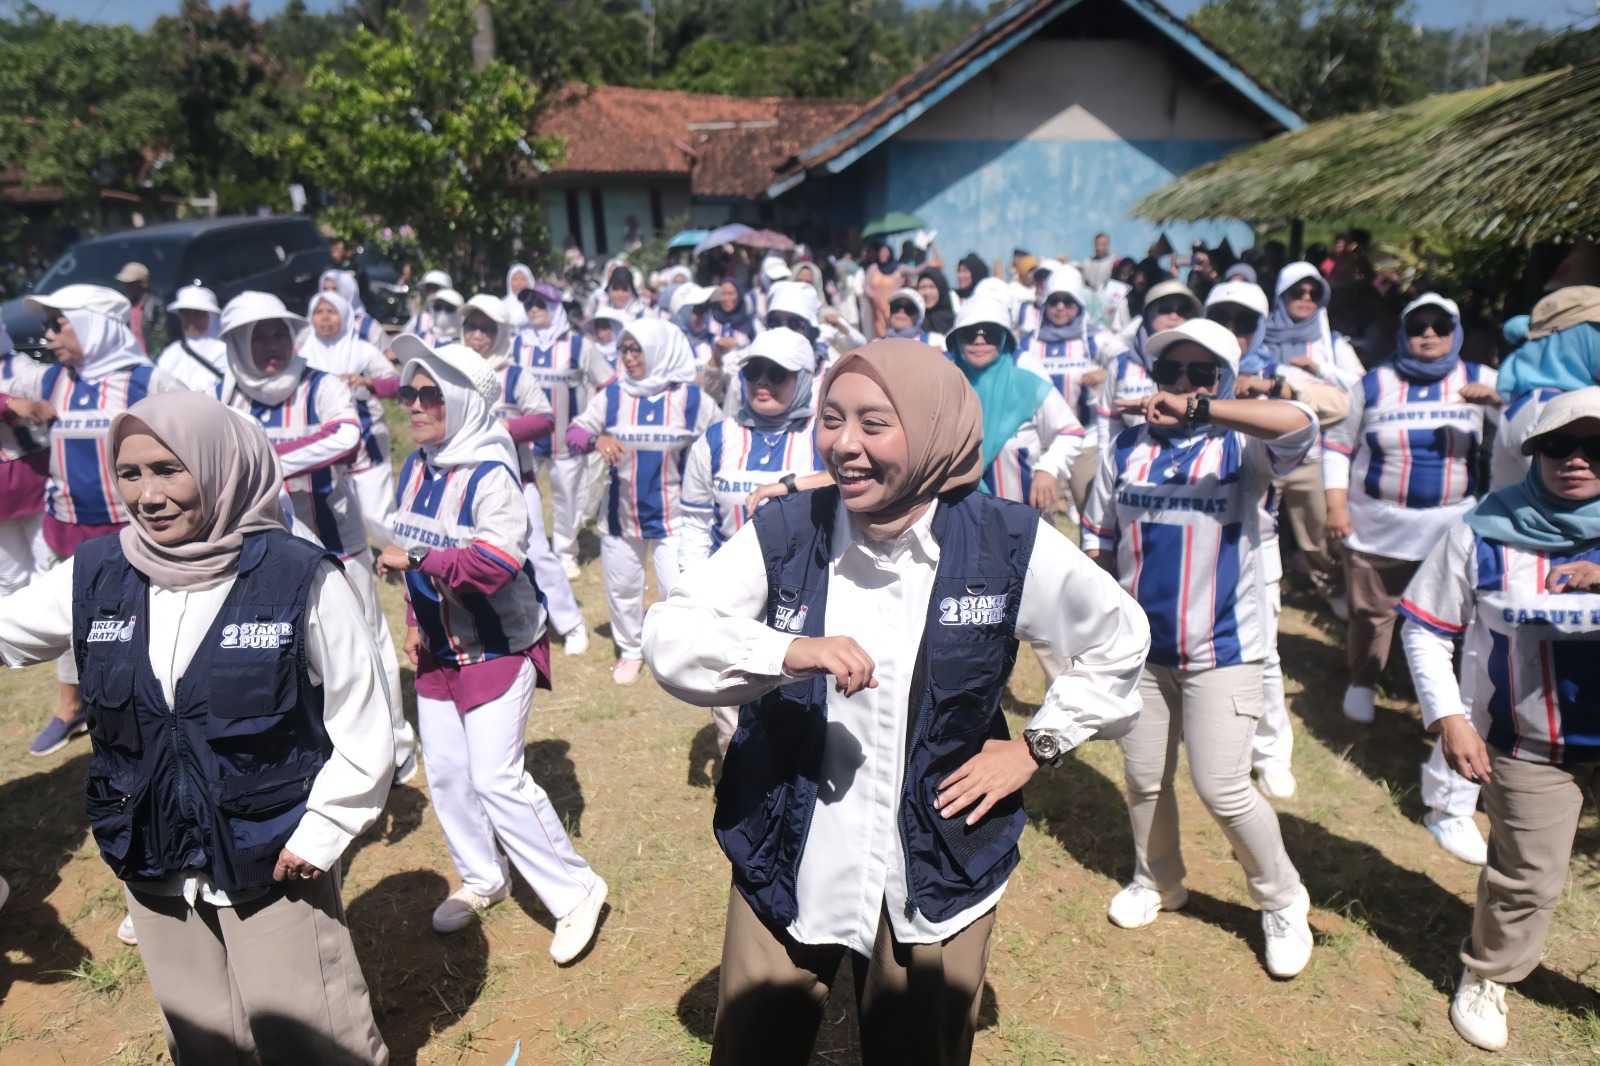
(629, 771)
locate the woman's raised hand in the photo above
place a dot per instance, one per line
(851, 667)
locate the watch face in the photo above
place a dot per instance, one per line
(1046, 745)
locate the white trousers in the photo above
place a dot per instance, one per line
(571, 486)
(1273, 744)
(482, 794)
(375, 491)
(559, 600)
(23, 552)
(362, 578)
(1444, 790)
(622, 559)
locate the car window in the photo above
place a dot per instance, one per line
(97, 261)
(225, 259)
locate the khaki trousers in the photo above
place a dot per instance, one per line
(273, 980)
(1214, 714)
(1084, 469)
(1304, 506)
(1375, 584)
(917, 1003)
(1533, 813)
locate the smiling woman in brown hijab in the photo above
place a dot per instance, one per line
(224, 817)
(870, 799)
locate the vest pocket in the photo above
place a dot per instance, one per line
(964, 688)
(261, 811)
(977, 849)
(107, 692)
(248, 699)
(753, 799)
(114, 801)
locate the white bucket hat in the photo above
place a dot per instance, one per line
(195, 298)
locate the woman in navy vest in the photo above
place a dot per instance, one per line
(241, 735)
(870, 800)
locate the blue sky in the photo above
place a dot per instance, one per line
(1553, 13)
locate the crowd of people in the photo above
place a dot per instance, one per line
(852, 479)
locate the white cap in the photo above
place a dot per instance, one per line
(1069, 281)
(690, 295)
(1433, 299)
(783, 346)
(436, 277)
(1562, 411)
(195, 298)
(773, 268)
(915, 297)
(1245, 294)
(449, 296)
(492, 306)
(796, 298)
(1214, 337)
(606, 313)
(248, 308)
(96, 298)
(483, 377)
(985, 310)
(1173, 287)
(132, 272)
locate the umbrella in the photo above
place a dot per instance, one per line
(688, 238)
(893, 222)
(720, 236)
(768, 239)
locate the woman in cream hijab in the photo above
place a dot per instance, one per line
(853, 825)
(241, 737)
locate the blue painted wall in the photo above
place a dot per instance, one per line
(1049, 196)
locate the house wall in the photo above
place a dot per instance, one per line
(1054, 143)
(618, 200)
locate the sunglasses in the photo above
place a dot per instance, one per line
(1200, 375)
(531, 300)
(981, 335)
(1239, 321)
(1060, 299)
(903, 307)
(1559, 446)
(55, 324)
(1417, 325)
(763, 371)
(1171, 305)
(1308, 291)
(430, 395)
(785, 320)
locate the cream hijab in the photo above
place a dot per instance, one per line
(236, 470)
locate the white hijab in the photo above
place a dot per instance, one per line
(494, 309)
(668, 358)
(345, 284)
(473, 434)
(551, 335)
(516, 314)
(108, 345)
(240, 318)
(344, 353)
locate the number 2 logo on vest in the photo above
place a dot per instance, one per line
(257, 636)
(972, 610)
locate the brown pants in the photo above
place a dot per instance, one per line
(275, 977)
(1084, 469)
(917, 1003)
(1375, 584)
(1533, 813)
(1304, 506)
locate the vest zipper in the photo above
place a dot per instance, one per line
(919, 682)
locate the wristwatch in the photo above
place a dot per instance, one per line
(416, 554)
(1047, 746)
(787, 481)
(1199, 412)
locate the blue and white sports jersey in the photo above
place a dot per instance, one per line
(1409, 455)
(725, 465)
(521, 395)
(643, 488)
(1535, 655)
(569, 371)
(1126, 379)
(1507, 464)
(1049, 441)
(1065, 363)
(1187, 522)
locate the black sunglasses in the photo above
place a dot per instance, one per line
(1169, 305)
(1309, 291)
(982, 335)
(1200, 375)
(904, 307)
(430, 395)
(757, 371)
(1239, 320)
(1559, 446)
(1417, 325)
(785, 320)
(1059, 299)
(531, 300)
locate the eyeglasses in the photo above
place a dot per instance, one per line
(1559, 446)
(629, 347)
(430, 395)
(1309, 291)
(1418, 325)
(1240, 321)
(1169, 305)
(1060, 299)
(1200, 375)
(785, 320)
(759, 371)
(903, 307)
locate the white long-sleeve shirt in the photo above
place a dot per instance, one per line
(708, 645)
(349, 791)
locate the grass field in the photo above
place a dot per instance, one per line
(629, 770)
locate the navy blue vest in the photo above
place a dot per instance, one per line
(769, 780)
(218, 781)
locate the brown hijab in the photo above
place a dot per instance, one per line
(940, 413)
(237, 472)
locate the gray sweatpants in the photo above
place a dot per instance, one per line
(1213, 713)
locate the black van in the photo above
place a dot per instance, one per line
(280, 254)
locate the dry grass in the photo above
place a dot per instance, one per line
(627, 768)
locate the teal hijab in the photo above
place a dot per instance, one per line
(1009, 395)
(1528, 515)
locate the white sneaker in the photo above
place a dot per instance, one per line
(1459, 836)
(1276, 782)
(463, 905)
(626, 672)
(1288, 936)
(1478, 1011)
(1137, 905)
(569, 566)
(576, 929)
(406, 772)
(577, 640)
(1360, 704)
(125, 932)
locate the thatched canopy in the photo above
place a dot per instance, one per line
(1518, 161)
